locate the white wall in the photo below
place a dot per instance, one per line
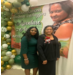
(42, 2)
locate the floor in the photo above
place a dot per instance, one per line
(16, 70)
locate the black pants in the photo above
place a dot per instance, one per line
(48, 69)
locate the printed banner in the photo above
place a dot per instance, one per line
(57, 14)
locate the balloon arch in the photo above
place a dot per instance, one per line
(9, 55)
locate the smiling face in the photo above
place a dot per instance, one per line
(33, 31)
(48, 31)
(57, 13)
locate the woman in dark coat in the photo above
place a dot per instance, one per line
(48, 49)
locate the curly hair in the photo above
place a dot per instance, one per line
(67, 6)
(28, 35)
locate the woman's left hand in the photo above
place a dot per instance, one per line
(44, 62)
(57, 58)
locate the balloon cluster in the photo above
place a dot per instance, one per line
(9, 55)
(8, 58)
(18, 5)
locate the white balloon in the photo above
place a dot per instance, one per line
(4, 46)
(24, 8)
(12, 56)
(33, 2)
(7, 36)
(3, 29)
(8, 53)
(6, 9)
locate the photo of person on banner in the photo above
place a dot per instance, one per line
(62, 15)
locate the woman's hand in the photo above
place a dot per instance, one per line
(26, 62)
(57, 58)
(45, 62)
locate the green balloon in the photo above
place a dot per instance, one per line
(16, 4)
(1, 13)
(4, 48)
(6, 63)
(3, 42)
(3, 53)
(6, 19)
(10, 49)
(17, 59)
(10, 33)
(4, 66)
(7, 32)
(3, 23)
(9, 46)
(8, 40)
(5, 58)
(11, 61)
(27, 3)
(7, 13)
(2, 34)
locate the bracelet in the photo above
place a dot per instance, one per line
(26, 59)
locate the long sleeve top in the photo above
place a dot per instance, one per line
(48, 51)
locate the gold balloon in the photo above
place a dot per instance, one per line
(14, 10)
(20, 9)
(2, 69)
(13, 51)
(10, 23)
(8, 43)
(2, 2)
(9, 28)
(2, 62)
(2, 9)
(8, 66)
(3, 39)
(8, 5)
(1, 58)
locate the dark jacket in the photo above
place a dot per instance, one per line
(48, 51)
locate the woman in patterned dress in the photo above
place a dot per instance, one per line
(61, 14)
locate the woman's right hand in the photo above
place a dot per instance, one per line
(26, 62)
(44, 62)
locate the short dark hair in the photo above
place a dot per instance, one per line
(28, 35)
(67, 6)
(46, 27)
